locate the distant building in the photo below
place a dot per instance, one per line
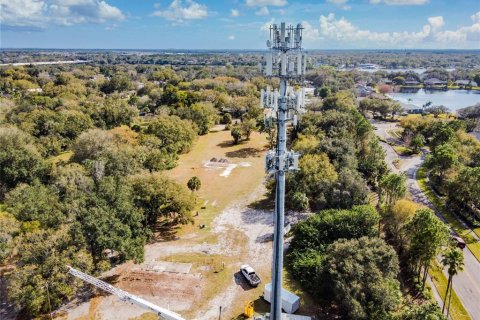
(411, 108)
(411, 82)
(466, 83)
(434, 82)
(385, 81)
(364, 91)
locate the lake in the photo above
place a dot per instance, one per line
(452, 99)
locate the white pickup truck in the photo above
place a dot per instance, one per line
(250, 275)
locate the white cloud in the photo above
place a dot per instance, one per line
(179, 12)
(476, 17)
(263, 3)
(266, 26)
(309, 32)
(263, 11)
(41, 13)
(436, 22)
(400, 2)
(341, 3)
(231, 37)
(340, 30)
(234, 13)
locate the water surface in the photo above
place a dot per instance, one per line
(452, 99)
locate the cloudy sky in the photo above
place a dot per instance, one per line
(238, 24)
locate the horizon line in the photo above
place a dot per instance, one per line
(231, 49)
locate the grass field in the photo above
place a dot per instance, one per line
(217, 191)
(64, 156)
(453, 221)
(457, 310)
(402, 151)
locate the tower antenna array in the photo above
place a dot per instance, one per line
(286, 61)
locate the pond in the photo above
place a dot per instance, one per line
(452, 99)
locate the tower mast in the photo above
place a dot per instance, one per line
(286, 61)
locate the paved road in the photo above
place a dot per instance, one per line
(467, 283)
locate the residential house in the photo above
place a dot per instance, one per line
(385, 81)
(363, 90)
(411, 82)
(465, 83)
(411, 108)
(434, 82)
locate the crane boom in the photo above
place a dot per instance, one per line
(125, 296)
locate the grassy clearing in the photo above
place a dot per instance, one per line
(402, 151)
(439, 203)
(396, 133)
(217, 192)
(457, 310)
(64, 156)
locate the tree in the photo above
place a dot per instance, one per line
(176, 135)
(113, 113)
(314, 235)
(392, 187)
(399, 80)
(327, 226)
(453, 260)
(194, 184)
(437, 110)
(425, 311)
(9, 228)
(36, 203)
(443, 158)
(427, 236)
(236, 133)
(418, 141)
(442, 134)
(116, 83)
(395, 108)
(20, 160)
(324, 92)
(350, 189)
(314, 180)
(159, 197)
(227, 118)
(202, 114)
(247, 127)
(463, 193)
(41, 282)
(109, 221)
(362, 275)
(398, 218)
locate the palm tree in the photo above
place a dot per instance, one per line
(453, 259)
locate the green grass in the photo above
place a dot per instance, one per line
(64, 156)
(457, 310)
(397, 133)
(452, 221)
(402, 151)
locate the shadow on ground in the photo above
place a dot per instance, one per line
(241, 281)
(244, 153)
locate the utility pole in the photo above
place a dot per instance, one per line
(286, 61)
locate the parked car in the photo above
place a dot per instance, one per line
(250, 275)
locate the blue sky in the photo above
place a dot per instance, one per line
(238, 24)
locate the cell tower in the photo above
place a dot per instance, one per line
(286, 61)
